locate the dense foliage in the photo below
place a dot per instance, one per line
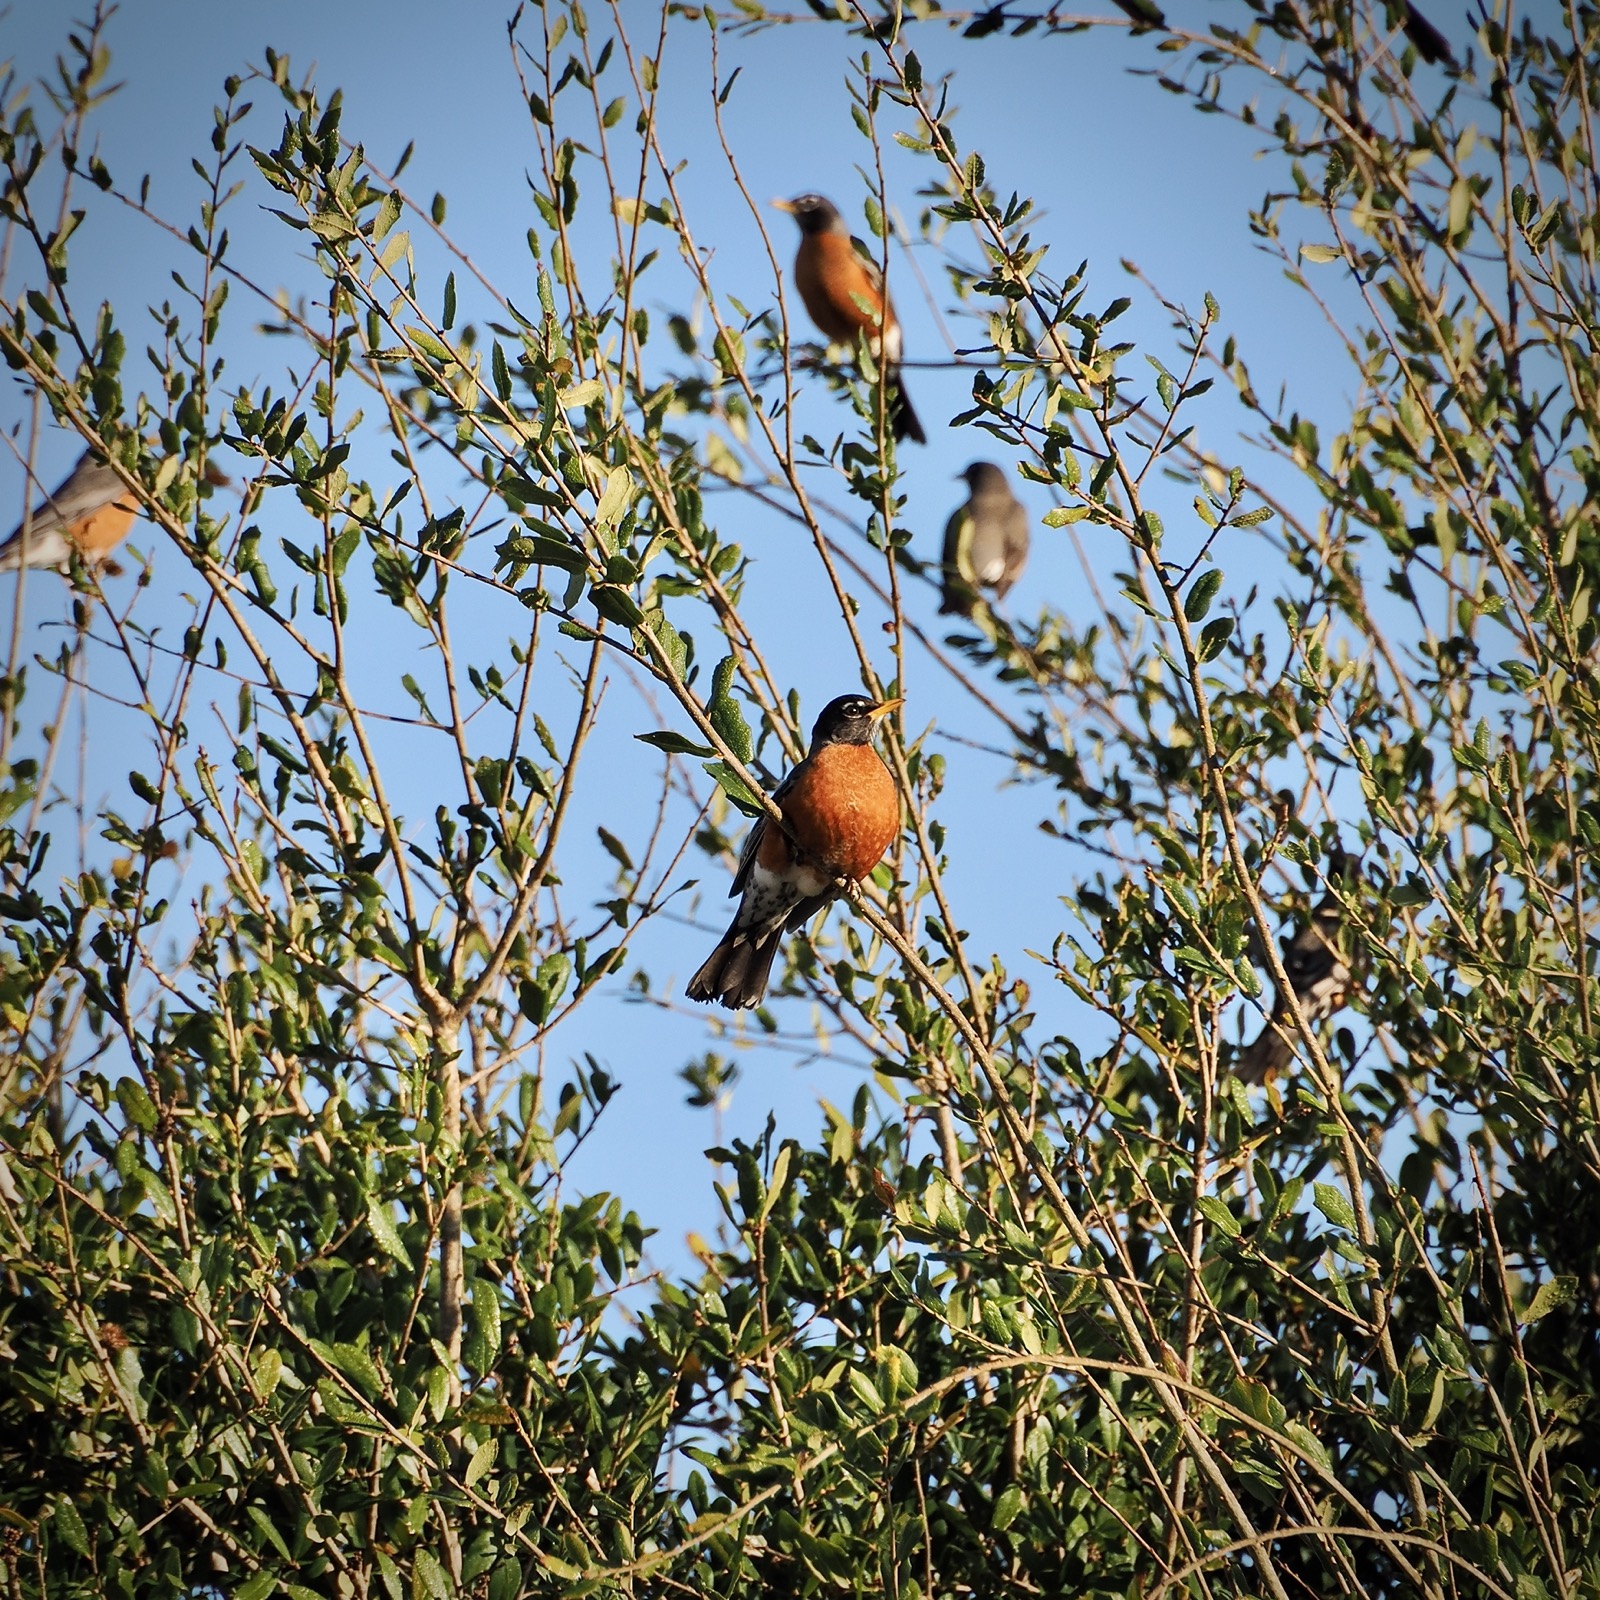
(295, 1296)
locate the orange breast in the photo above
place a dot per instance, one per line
(843, 810)
(830, 277)
(100, 532)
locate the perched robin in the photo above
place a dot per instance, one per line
(840, 811)
(843, 291)
(90, 513)
(985, 541)
(1319, 973)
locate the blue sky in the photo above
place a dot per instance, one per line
(1119, 170)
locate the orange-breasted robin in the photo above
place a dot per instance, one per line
(90, 513)
(843, 292)
(840, 811)
(985, 541)
(1318, 971)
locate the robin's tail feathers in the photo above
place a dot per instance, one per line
(45, 548)
(735, 974)
(902, 418)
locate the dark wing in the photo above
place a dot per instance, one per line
(758, 831)
(959, 587)
(865, 257)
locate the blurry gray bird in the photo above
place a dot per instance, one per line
(1318, 971)
(91, 513)
(985, 541)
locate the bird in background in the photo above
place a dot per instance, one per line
(90, 512)
(1317, 967)
(840, 812)
(985, 540)
(842, 289)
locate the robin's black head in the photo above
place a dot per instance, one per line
(984, 477)
(849, 720)
(813, 213)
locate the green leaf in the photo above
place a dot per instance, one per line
(482, 1460)
(1006, 1508)
(1309, 1443)
(486, 1314)
(581, 394)
(267, 1373)
(429, 1580)
(1140, 599)
(256, 1588)
(866, 1391)
(69, 1525)
(1201, 593)
(615, 604)
(724, 711)
(614, 500)
(434, 348)
(1214, 638)
(388, 213)
(1334, 1205)
(384, 1232)
(735, 788)
(1550, 1296)
(674, 743)
(1320, 253)
(137, 1106)
(357, 1365)
(541, 552)
(438, 1386)
(1542, 228)
(780, 1176)
(1218, 1214)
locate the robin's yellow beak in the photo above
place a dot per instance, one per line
(884, 709)
(783, 205)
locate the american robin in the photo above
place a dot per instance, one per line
(1319, 973)
(840, 811)
(843, 291)
(91, 513)
(985, 541)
